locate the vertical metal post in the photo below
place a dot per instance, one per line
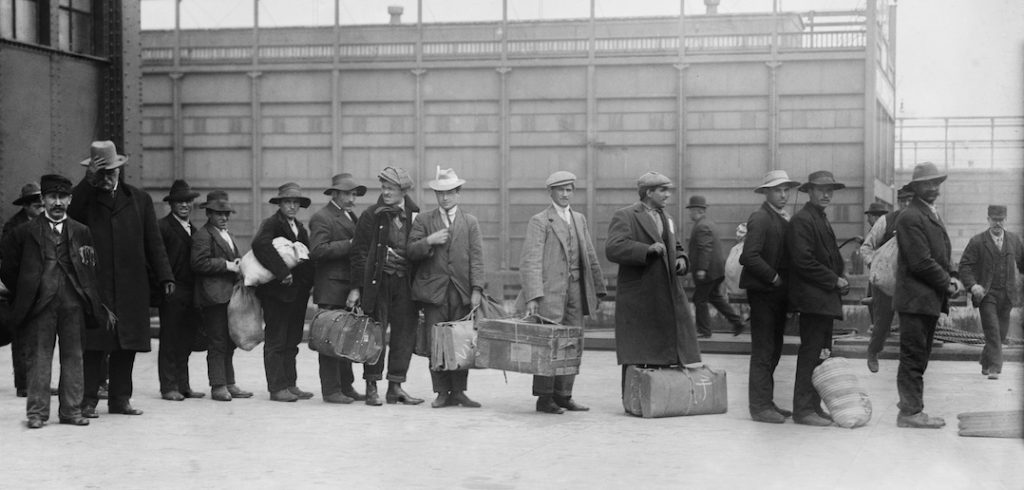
(418, 72)
(871, 122)
(591, 149)
(504, 235)
(773, 92)
(681, 116)
(336, 93)
(256, 121)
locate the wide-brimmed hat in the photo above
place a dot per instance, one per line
(560, 178)
(291, 190)
(697, 201)
(346, 183)
(996, 211)
(396, 176)
(29, 193)
(217, 201)
(105, 153)
(876, 209)
(821, 178)
(54, 183)
(653, 179)
(775, 178)
(180, 192)
(927, 171)
(446, 180)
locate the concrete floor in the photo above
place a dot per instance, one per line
(256, 443)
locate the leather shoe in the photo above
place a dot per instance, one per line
(79, 421)
(813, 419)
(569, 404)
(338, 398)
(283, 396)
(460, 398)
(873, 363)
(740, 327)
(173, 396)
(372, 398)
(193, 394)
(303, 395)
(90, 413)
(919, 420)
(35, 423)
(125, 409)
(221, 394)
(396, 394)
(441, 400)
(704, 336)
(782, 411)
(350, 392)
(984, 372)
(992, 374)
(768, 416)
(546, 404)
(23, 392)
(237, 392)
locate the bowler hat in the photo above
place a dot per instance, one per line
(927, 171)
(396, 176)
(180, 192)
(775, 178)
(29, 193)
(697, 201)
(876, 209)
(821, 178)
(346, 183)
(217, 201)
(54, 183)
(996, 211)
(104, 153)
(560, 178)
(290, 190)
(446, 180)
(653, 179)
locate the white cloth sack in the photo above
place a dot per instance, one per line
(733, 269)
(883, 267)
(293, 254)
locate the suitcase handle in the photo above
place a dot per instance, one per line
(539, 319)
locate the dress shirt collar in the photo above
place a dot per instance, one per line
(564, 213)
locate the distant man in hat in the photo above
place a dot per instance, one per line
(561, 279)
(708, 267)
(880, 307)
(130, 258)
(382, 281)
(765, 277)
(874, 211)
(48, 264)
(284, 298)
(448, 250)
(653, 325)
(924, 284)
(988, 269)
(331, 231)
(215, 265)
(179, 317)
(31, 206)
(817, 283)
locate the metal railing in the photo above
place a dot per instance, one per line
(961, 142)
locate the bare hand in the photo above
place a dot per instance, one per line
(287, 281)
(843, 285)
(353, 299)
(476, 298)
(656, 248)
(234, 265)
(978, 291)
(955, 287)
(88, 255)
(700, 275)
(532, 306)
(168, 288)
(682, 266)
(439, 237)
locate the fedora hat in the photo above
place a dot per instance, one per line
(290, 190)
(29, 193)
(927, 171)
(105, 154)
(346, 183)
(54, 183)
(446, 180)
(697, 201)
(775, 178)
(217, 201)
(180, 192)
(821, 178)
(996, 211)
(876, 209)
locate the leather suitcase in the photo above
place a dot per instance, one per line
(673, 392)
(531, 345)
(348, 335)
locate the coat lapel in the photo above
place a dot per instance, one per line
(647, 222)
(560, 231)
(457, 227)
(219, 240)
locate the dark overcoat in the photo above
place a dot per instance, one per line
(764, 251)
(369, 249)
(330, 238)
(178, 244)
(981, 258)
(705, 251)
(128, 250)
(653, 324)
(263, 248)
(214, 283)
(460, 261)
(815, 264)
(19, 218)
(923, 265)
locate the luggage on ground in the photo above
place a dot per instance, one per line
(847, 402)
(674, 391)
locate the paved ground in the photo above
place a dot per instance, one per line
(257, 443)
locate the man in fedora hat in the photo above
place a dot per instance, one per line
(924, 284)
(31, 206)
(880, 305)
(988, 269)
(817, 282)
(131, 260)
(382, 281)
(215, 263)
(642, 241)
(179, 318)
(330, 237)
(49, 266)
(448, 250)
(283, 299)
(561, 279)
(874, 211)
(708, 268)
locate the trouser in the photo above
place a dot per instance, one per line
(220, 353)
(571, 313)
(282, 336)
(767, 325)
(179, 323)
(335, 374)
(120, 364)
(815, 335)
(19, 358)
(451, 310)
(916, 335)
(995, 322)
(711, 292)
(63, 321)
(396, 309)
(881, 320)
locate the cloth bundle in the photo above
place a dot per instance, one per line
(293, 254)
(245, 317)
(883, 267)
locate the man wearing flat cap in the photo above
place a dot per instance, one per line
(331, 230)
(817, 283)
(382, 281)
(925, 282)
(765, 277)
(179, 318)
(448, 250)
(653, 325)
(988, 269)
(31, 206)
(561, 279)
(708, 268)
(285, 297)
(49, 266)
(131, 260)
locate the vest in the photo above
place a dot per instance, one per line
(58, 278)
(574, 247)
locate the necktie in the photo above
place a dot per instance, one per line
(664, 226)
(351, 216)
(55, 226)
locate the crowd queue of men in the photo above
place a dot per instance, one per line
(84, 262)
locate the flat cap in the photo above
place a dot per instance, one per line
(560, 178)
(396, 176)
(653, 179)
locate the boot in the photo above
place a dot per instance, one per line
(441, 400)
(372, 398)
(396, 394)
(546, 404)
(460, 398)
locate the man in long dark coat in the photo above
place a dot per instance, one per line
(129, 250)
(653, 326)
(31, 206)
(708, 270)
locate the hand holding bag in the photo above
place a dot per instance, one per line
(344, 334)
